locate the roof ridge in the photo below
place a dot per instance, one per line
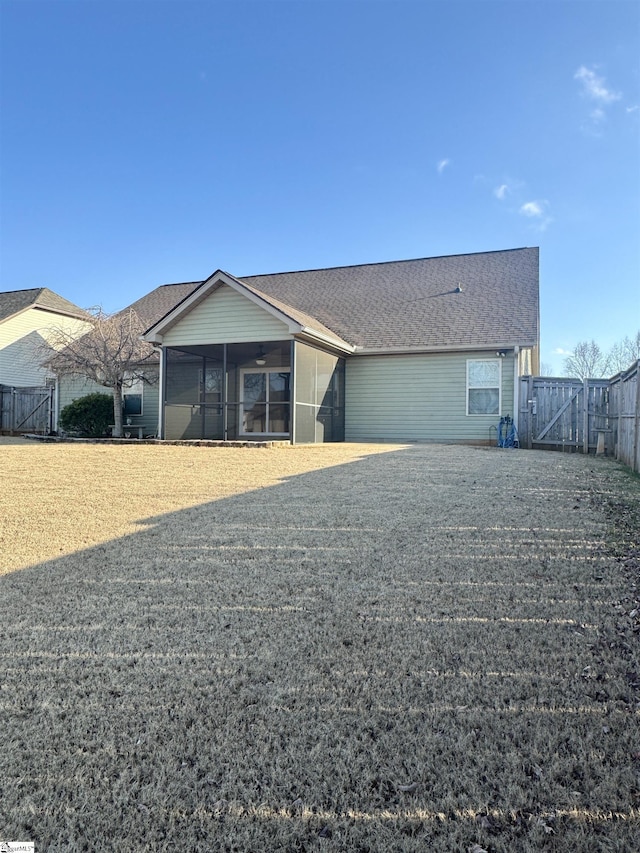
(387, 263)
(178, 284)
(25, 290)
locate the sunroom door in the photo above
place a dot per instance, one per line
(265, 402)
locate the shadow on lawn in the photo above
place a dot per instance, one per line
(401, 651)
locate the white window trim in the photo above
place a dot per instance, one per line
(241, 402)
(136, 387)
(472, 387)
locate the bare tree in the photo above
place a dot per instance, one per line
(110, 354)
(587, 361)
(623, 354)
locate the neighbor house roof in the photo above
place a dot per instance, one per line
(153, 306)
(485, 299)
(14, 301)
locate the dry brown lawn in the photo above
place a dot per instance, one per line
(335, 648)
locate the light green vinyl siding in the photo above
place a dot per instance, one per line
(72, 387)
(225, 316)
(417, 398)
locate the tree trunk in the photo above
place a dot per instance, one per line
(117, 411)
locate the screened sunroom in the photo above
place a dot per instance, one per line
(283, 390)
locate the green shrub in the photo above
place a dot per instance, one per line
(90, 415)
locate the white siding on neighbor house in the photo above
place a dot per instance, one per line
(226, 316)
(22, 339)
(69, 388)
(418, 398)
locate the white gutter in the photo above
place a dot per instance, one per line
(336, 343)
(363, 351)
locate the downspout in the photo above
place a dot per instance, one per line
(56, 404)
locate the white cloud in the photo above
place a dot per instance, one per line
(442, 165)
(594, 86)
(501, 191)
(533, 208)
(633, 109)
(560, 351)
(537, 210)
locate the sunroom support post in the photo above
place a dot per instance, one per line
(225, 413)
(292, 392)
(162, 390)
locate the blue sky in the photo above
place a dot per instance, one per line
(145, 142)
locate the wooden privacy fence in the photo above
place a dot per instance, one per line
(599, 415)
(25, 410)
(625, 403)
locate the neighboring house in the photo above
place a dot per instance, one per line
(416, 350)
(26, 318)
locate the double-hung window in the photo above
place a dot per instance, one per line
(483, 386)
(132, 396)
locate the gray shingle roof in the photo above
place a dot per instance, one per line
(485, 299)
(416, 303)
(294, 313)
(13, 301)
(154, 305)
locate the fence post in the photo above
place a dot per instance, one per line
(585, 416)
(12, 411)
(51, 408)
(635, 458)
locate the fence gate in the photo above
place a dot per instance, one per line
(25, 410)
(565, 414)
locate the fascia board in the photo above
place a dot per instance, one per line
(336, 343)
(438, 349)
(16, 314)
(41, 309)
(59, 312)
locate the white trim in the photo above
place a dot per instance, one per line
(127, 391)
(156, 332)
(468, 388)
(161, 390)
(336, 343)
(448, 348)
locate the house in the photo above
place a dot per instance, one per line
(415, 350)
(26, 318)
